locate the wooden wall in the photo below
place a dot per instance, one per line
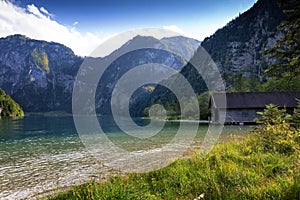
(236, 115)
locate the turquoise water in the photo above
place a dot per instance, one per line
(35, 152)
(39, 153)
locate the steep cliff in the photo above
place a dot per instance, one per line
(237, 47)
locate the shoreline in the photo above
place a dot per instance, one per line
(97, 172)
(178, 120)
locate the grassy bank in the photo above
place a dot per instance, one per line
(231, 171)
(266, 165)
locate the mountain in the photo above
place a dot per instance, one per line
(37, 74)
(178, 45)
(166, 97)
(140, 51)
(181, 46)
(40, 75)
(8, 107)
(237, 48)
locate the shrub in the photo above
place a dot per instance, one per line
(296, 117)
(276, 132)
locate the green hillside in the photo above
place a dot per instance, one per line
(8, 107)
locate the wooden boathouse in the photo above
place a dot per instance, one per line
(242, 107)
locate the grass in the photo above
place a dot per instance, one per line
(235, 170)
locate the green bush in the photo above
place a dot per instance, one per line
(296, 117)
(276, 131)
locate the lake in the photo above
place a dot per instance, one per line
(41, 153)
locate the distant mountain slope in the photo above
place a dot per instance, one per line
(164, 96)
(140, 50)
(40, 75)
(182, 46)
(237, 47)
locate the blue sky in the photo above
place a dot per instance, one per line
(103, 18)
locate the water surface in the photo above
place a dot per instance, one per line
(40, 153)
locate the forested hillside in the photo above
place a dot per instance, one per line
(8, 107)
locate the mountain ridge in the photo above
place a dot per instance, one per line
(40, 74)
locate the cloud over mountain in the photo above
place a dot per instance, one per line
(38, 23)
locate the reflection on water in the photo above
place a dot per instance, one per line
(10, 126)
(40, 153)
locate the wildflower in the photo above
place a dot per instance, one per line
(200, 197)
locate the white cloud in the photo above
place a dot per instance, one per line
(34, 10)
(174, 28)
(43, 10)
(37, 23)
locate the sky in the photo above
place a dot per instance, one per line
(84, 24)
